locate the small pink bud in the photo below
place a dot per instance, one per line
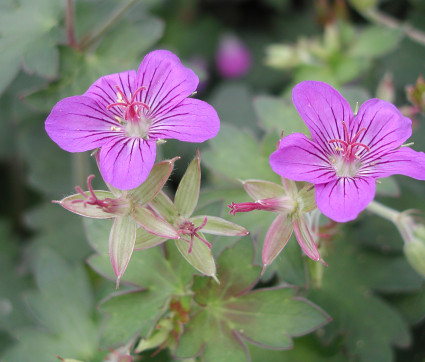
(233, 58)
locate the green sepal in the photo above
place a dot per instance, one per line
(187, 193)
(153, 224)
(200, 258)
(276, 238)
(87, 210)
(307, 198)
(154, 183)
(121, 244)
(259, 189)
(218, 226)
(304, 238)
(164, 207)
(146, 240)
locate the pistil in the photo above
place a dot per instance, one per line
(132, 111)
(349, 144)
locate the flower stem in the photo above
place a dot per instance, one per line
(69, 20)
(80, 167)
(384, 211)
(379, 17)
(113, 19)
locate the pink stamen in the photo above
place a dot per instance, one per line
(131, 112)
(187, 228)
(244, 207)
(92, 199)
(349, 144)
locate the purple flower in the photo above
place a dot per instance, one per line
(347, 153)
(125, 114)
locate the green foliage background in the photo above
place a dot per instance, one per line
(53, 303)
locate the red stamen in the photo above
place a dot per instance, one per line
(349, 144)
(105, 204)
(244, 207)
(187, 228)
(131, 112)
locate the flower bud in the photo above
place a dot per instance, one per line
(415, 254)
(233, 58)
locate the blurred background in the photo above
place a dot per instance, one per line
(248, 55)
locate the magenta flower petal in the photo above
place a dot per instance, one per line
(300, 159)
(77, 124)
(126, 162)
(167, 82)
(403, 161)
(192, 120)
(323, 109)
(342, 200)
(385, 128)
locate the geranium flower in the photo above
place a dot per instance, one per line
(125, 114)
(347, 152)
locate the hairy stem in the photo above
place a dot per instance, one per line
(109, 23)
(80, 167)
(379, 17)
(69, 21)
(383, 211)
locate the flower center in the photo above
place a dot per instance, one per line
(347, 163)
(187, 228)
(135, 124)
(131, 107)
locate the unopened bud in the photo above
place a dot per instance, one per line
(415, 254)
(233, 58)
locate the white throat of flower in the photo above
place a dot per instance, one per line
(346, 162)
(133, 119)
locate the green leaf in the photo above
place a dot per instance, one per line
(29, 35)
(279, 114)
(372, 327)
(230, 314)
(97, 232)
(244, 161)
(388, 187)
(64, 306)
(375, 41)
(224, 100)
(13, 311)
(59, 230)
(160, 277)
(187, 193)
(118, 51)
